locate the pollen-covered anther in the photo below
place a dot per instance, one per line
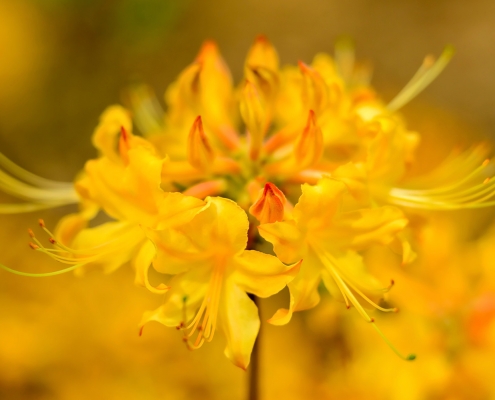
(269, 207)
(41, 223)
(309, 146)
(199, 152)
(30, 233)
(52, 240)
(33, 246)
(254, 115)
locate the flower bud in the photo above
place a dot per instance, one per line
(199, 152)
(309, 146)
(269, 207)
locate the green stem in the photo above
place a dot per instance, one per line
(254, 365)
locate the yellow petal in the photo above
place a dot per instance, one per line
(176, 253)
(239, 321)
(109, 245)
(175, 209)
(318, 204)
(262, 274)
(182, 300)
(68, 228)
(142, 263)
(363, 228)
(303, 290)
(288, 241)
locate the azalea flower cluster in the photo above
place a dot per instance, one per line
(307, 158)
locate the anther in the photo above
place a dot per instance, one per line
(486, 162)
(31, 233)
(141, 331)
(52, 241)
(348, 306)
(486, 180)
(33, 246)
(372, 320)
(396, 310)
(41, 222)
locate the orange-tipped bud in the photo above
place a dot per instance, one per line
(269, 207)
(262, 54)
(309, 147)
(315, 90)
(199, 152)
(124, 145)
(254, 114)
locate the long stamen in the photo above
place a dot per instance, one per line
(463, 193)
(428, 71)
(29, 177)
(410, 357)
(331, 266)
(40, 275)
(39, 192)
(204, 323)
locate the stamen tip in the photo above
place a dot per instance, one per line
(141, 331)
(486, 162)
(33, 246)
(486, 180)
(396, 309)
(41, 222)
(52, 240)
(31, 233)
(372, 320)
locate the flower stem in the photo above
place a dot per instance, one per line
(254, 365)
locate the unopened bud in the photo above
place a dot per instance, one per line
(315, 90)
(199, 152)
(254, 114)
(269, 207)
(124, 145)
(262, 54)
(309, 147)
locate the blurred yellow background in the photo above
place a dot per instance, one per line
(63, 61)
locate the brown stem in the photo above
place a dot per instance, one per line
(254, 366)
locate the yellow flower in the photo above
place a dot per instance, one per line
(318, 124)
(212, 272)
(328, 239)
